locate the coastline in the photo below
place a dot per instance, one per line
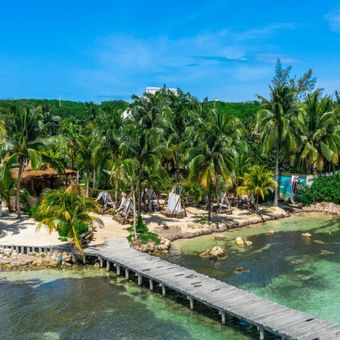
(169, 230)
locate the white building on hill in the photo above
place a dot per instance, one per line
(153, 89)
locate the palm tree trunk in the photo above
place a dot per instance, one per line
(176, 166)
(94, 179)
(87, 188)
(134, 211)
(17, 200)
(257, 202)
(139, 208)
(0, 206)
(277, 178)
(209, 204)
(8, 204)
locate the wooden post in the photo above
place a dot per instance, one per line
(140, 278)
(191, 300)
(261, 333)
(101, 262)
(107, 265)
(118, 269)
(126, 273)
(39, 250)
(163, 290)
(150, 284)
(84, 259)
(222, 313)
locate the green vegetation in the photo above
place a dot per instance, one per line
(141, 233)
(257, 182)
(245, 111)
(323, 189)
(171, 140)
(66, 211)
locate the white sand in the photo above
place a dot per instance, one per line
(24, 232)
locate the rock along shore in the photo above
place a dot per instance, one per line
(11, 260)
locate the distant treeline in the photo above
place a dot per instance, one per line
(84, 110)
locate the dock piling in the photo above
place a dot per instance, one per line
(191, 300)
(222, 313)
(140, 279)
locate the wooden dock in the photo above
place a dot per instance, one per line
(266, 315)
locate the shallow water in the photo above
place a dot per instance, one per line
(284, 267)
(89, 304)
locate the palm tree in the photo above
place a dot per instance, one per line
(274, 124)
(275, 121)
(70, 131)
(177, 116)
(141, 138)
(126, 172)
(257, 181)
(22, 144)
(211, 155)
(6, 187)
(320, 131)
(67, 209)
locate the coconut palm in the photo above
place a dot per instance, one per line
(22, 144)
(320, 131)
(67, 209)
(275, 125)
(177, 116)
(257, 181)
(141, 138)
(7, 185)
(211, 155)
(70, 131)
(126, 172)
(275, 121)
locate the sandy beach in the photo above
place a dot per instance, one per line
(25, 232)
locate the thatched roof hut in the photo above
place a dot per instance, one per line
(38, 180)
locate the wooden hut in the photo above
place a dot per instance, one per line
(37, 180)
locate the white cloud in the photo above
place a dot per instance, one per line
(130, 64)
(333, 19)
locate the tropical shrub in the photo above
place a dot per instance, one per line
(67, 211)
(142, 233)
(323, 189)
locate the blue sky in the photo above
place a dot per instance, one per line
(100, 50)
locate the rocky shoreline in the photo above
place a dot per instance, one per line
(11, 260)
(201, 229)
(323, 207)
(152, 248)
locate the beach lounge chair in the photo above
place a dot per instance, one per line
(104, 198)
(149, 197)
(175, 207)
(123, 213)
(223, 203)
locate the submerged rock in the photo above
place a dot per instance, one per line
(297, 261)
(270, 232)
(241, 242)
(220, 238)
(215, 253)
(241, 270)
(325, 252)
(306, 235)
(318, 241)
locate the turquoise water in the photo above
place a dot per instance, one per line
(284, 267)
(89, 304)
